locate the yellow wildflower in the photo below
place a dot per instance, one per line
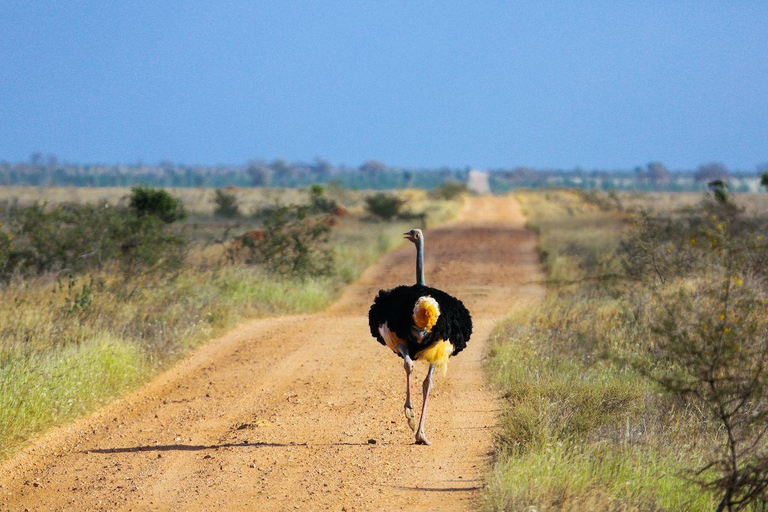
(692, 242)
(722, 317)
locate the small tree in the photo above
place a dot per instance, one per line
(373, 168)
(226, 205)
(259, 174)
(764, 180)
(658, 174)
(710, 172)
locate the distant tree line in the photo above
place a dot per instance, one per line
(48, 170)
(651, 177)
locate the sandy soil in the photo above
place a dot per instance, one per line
(302, 412)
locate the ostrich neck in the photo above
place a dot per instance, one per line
(420, 263)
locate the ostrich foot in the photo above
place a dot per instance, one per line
(410, 417)
(421, 438)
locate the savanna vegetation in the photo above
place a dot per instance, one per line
(639, 383)
(102, 288)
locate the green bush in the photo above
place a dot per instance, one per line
(384, 206)
(157, 202)
(78, 237)
(226, 205)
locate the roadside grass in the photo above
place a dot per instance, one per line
(582, 429)
(71, 344)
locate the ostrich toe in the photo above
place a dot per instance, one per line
(411, 417)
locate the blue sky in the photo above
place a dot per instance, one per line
(489, 84)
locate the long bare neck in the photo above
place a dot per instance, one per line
(420, 262)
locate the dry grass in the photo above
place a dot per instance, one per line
(198, 201)
(668, 202)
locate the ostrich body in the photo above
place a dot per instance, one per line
(419, 323)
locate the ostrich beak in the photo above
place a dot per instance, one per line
(409, 236)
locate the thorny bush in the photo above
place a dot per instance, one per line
(293, 241)
(705, 271)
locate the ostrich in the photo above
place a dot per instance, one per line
(420, 324)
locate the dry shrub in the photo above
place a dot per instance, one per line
(708, 327)
(293, 241)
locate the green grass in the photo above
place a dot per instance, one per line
(581, 428)
(68, 347)
(48, 388)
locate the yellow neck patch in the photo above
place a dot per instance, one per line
(425, 313)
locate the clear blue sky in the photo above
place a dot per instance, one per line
(414, 83)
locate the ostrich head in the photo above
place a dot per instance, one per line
(417, 237)
(414, 235)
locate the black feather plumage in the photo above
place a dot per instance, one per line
(395, 308)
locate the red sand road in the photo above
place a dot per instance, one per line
(281, 413)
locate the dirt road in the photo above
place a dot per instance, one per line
(301, 412)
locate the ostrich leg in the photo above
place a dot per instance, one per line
(421, 438)
(408, 408)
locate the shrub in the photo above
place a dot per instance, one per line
(707, 336)
(320, 203)
(70, 236)
(292, 242)
(384, 206)
(157, 202)
(75, 238)
(145, 244)
(449, 190)
(226, 205)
